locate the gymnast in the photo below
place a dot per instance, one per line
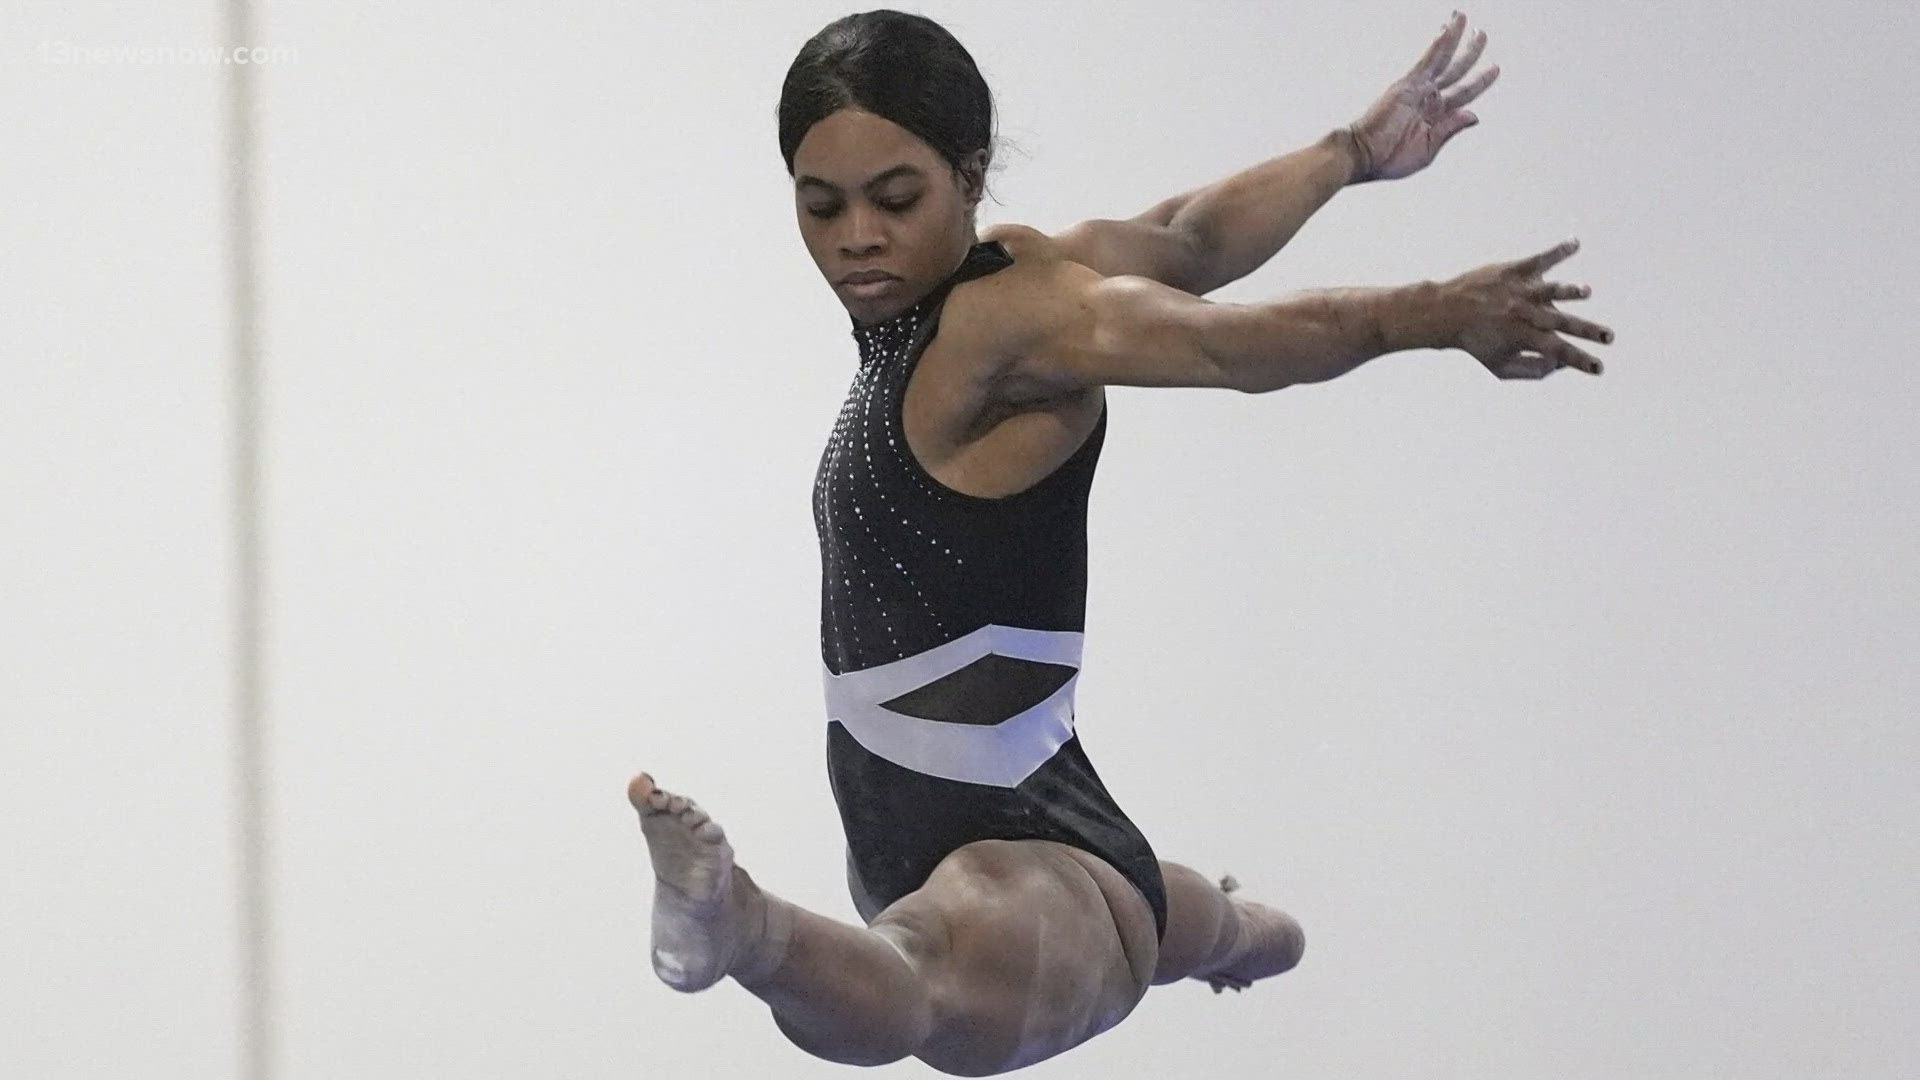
(1011, 909)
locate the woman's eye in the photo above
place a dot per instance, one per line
(891, 206)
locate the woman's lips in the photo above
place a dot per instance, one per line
(872, 288)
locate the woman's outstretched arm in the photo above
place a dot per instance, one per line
(1202, 239)
(1064, 328)
(1244, 220)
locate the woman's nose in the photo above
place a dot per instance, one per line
(864, 229)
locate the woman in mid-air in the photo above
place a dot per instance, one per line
(1012, 910)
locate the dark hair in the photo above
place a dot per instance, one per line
(903, 67)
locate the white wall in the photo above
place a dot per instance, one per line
(117, 955)
(1573, 719)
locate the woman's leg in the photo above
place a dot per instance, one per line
(1222, 939)
(1010, 953)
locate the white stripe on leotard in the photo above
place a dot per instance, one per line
(1001, 754)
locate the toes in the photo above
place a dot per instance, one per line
(639, 789)
(1221, 982)
(649, 799)
(646, 796)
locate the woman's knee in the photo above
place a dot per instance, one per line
(895, 1007)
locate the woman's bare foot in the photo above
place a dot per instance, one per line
(1270, 942)
(707, 915)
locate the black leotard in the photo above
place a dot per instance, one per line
(950, 631)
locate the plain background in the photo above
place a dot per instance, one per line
(1574, 719)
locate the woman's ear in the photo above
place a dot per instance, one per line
(974, 172)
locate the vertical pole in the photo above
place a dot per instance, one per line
(252, 901)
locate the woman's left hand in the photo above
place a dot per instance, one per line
(1403, 131)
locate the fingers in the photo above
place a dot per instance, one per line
(1554, 319)
(1525, 365)
(1465, 63)
(1565, 354)
(1542, 357)
(1543, 293)
(1435, 58)
(1535, 265)
(1470, 91)
(1541, 351)
(1572, 357)
(1453, 125)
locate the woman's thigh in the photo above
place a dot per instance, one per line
(1025, 952)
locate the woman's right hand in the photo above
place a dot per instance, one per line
(1504, 315)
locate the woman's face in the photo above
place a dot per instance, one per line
(870, 196)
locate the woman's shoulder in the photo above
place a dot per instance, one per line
(1043, 265)
(1003, 313)
(1024, 242)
